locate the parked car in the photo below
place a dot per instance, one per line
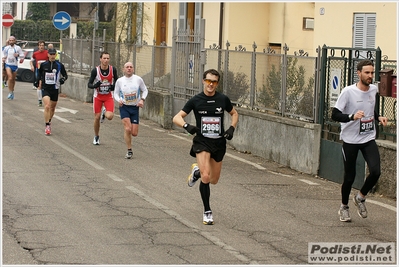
(24, 72)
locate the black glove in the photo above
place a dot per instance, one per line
(36, 84)
(97, 84)
(62, 80)
(229, 133)
(191, 129)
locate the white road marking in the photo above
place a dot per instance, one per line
(18, 118)
(246, 161)
(62, 109)
(192, 226)
(382, 205)
(180, 137)
(281, 174)
(61, 119)
(73, 152)
(115, 178)
(308, 182)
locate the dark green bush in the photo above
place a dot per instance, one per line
(33, 31)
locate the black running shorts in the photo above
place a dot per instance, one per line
(217, 147)
(52, 93)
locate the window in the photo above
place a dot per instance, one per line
(364, 26)
(308, 24)
(190, 15)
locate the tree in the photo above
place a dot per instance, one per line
(270, 93)
(38, 11)
(237, 86)
(299, 94)
(102, 14)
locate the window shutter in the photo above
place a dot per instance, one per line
(364, 30)
(182, 16)
(370, 30)
(198, 16)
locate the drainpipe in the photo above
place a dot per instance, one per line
(221, 24)
(221, 18)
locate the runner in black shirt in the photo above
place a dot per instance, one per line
(209, 143)
(52, 74)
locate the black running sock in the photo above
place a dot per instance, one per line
(205, 195)
(47, 123)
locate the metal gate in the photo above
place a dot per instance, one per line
(187, 67)
(338, 69)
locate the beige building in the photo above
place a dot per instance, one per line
(301, 26)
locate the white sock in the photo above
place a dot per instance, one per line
(359, 197)
(39, 95)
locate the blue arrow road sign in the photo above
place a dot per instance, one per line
(61, 20)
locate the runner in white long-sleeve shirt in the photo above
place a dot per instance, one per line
(130, 92)
(12, 54)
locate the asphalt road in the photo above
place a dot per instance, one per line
(66, 201)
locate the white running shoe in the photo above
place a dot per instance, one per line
(191, 178)
(361, 208)
(96, 140)
(129, 154)
(102, 115)
(344, 214)
(208, 218)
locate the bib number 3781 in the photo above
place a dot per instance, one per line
(366, 125)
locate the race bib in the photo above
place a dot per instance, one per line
(104, 87)
(211, 127)
(11, 60)
(130, 99)
(49, 78)
(366, 125)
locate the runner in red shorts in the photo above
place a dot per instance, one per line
(102, 80)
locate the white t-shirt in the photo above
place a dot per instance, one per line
(8, 54)
(130, 90)
(351, 100)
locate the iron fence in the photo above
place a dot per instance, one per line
(267, 82)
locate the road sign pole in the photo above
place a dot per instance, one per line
(60, 46)
(60, 61)
(5, 35)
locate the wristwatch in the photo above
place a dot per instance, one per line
(185, 125)
(350, 117)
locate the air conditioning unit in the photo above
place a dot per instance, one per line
(308, 23)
